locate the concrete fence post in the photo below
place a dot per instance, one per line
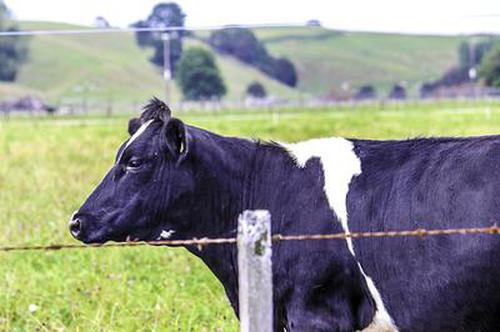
(255, 271)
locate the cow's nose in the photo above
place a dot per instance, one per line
(75, 228)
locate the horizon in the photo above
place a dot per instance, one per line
(118, 29)
(447, 17)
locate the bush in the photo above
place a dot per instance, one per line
(452, 77)
(365, 92)
(284, 71)
(256, 90)
(198, 76)
(244, 45)
(163, 15)
(397, 92)
(490, 68)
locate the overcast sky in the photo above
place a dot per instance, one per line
(414, 16)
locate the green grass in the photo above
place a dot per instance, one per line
(48, 167)
(325, 59)
(110, 67)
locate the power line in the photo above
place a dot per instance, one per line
(133, 29)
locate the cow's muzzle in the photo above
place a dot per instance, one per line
(75, 228)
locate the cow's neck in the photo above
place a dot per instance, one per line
(221, 166)
(231, 174)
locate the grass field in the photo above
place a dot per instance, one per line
(111, 67)
(48, 167)
(326, 59)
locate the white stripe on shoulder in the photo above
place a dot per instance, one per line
(340, 165)
(138, 133)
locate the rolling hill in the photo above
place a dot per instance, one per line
(327, 59)
(111, 66)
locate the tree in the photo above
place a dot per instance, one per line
(164, 15)
(490, 68)
(198, 75)
(241, 43)
(284, 71)
(313, 23)
(365, 92)
(256, 90)
(464, 55)
(101, 22)
(143, 38)
(397, 92)
(481, 49)
(428, 89)
(13, 50)
(471, 54)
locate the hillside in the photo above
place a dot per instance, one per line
(107, 67)
(325, 59)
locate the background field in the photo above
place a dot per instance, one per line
(48, 167)
(112, 68)
(326, 59)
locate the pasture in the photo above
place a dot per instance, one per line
(48, 167)
(112, 68)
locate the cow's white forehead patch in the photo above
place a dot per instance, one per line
(134, 137)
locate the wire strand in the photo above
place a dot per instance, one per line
(420, 232)
(133, 29)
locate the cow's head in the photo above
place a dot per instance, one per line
(149, 181)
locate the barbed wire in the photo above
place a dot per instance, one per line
(134, 29)
(202, 242)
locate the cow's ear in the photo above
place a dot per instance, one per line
(133, 125)
(177, 142)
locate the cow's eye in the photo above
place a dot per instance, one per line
(134, 164)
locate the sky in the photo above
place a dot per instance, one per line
(405, 16)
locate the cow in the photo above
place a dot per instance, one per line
(175, 181)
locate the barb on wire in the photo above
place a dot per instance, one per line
(421, 232)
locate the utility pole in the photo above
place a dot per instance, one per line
(473, 42)
(167, 70)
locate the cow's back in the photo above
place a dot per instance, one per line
(435, 283)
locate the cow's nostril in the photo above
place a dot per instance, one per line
(75, 227)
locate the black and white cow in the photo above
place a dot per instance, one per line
(176, 181)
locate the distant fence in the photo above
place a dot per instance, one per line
(112, 108)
